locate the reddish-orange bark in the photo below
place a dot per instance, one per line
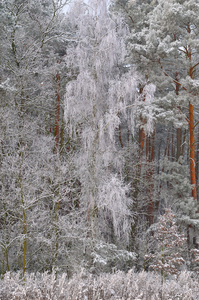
(192, 151)
(148, 148)
(197, 158)
(191, 133)
(141, 140)
(190, 120)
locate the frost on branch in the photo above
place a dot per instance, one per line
(113, 200)
(98, 96)
(168, 243)
(119, 285)
(146, 108)
(195, 254)
(107, 256)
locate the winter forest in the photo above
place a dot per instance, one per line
(99, 149)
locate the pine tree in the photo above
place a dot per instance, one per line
(172, 42)
(166, 51)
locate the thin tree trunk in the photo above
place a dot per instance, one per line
(179, 143)
(57, 114)
(184, 141)
(141, 131)
(168, 148)
(57, 133)
(62, 135)
(150, 147)
(135, 184)
(56, 234)
(141, 141)
(179, 130)
(191, 132)
(120, 137)
(172, 147)
(197, 158)
(192, 151)
(24, 221)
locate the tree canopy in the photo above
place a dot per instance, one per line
(99, 138)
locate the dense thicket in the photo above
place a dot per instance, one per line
(121, 285)
(99, 136)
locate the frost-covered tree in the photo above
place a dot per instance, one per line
(172, 42)
(98, 96)
(136, 15)
(166, 256)
(195, 259)
(164, 43)
(172, 46)
(32, 31)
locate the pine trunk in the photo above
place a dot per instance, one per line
(192, 151)
(191, 133)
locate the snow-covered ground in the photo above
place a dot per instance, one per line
(121, 286)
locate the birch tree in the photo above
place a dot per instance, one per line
(96, 97)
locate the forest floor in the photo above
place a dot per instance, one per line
(83, 286)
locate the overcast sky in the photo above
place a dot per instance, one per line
(65, 9)
(67, 6)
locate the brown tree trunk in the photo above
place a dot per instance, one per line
(120, 137)
(141, 140)
(188, 52)
(150, 147)
(179, 130)
(172, 146)
(141, 130)
(192, 151)
(191, 133)
(197, 158)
